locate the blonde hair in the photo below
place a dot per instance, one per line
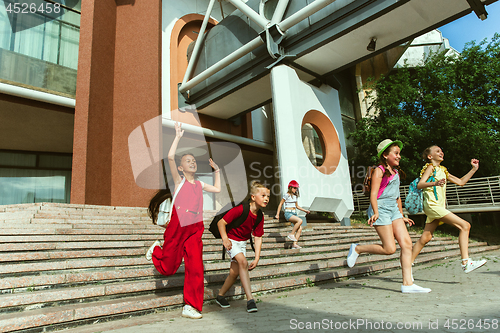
(426, 153)
(255, 185)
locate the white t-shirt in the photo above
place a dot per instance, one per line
(290, 201)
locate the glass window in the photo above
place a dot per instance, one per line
(28, 186)
(38, 48)
(40, 35)
(313, 144)
(34, 177)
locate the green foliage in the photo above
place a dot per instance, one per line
(452, 102)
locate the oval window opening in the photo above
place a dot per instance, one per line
(321, 142)
(313, 144)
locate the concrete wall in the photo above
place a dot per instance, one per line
(296, 103)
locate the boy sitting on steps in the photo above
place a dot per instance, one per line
(235, 242)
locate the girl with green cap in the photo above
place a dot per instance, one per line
(386, 214)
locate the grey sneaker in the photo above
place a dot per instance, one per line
(221, 300)
(251, 306)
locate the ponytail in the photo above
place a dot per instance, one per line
(156, 200)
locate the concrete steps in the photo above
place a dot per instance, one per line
(67, 265)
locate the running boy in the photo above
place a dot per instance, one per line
(235, 242)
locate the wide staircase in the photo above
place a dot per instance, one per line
(68, 265)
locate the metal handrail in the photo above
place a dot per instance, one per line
(477, 193)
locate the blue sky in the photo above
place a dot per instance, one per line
(470, 27)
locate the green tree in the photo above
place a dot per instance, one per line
(452, 102)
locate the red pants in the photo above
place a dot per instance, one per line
(183, 242)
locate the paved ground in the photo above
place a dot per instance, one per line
(458, 302)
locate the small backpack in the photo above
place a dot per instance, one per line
(414, 202)
(166, 207)
(214, 229)
(367, 183)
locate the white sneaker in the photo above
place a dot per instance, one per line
(149, 253)
(352, 256)
(472, 265)
(189, 312)
(414, 289)
(292, 238)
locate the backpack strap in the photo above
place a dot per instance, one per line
(432, 178)
(260, 216)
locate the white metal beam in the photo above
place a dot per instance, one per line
(218, 135)
(250, 13)
(36, 95)
(197, 44)
(303, 14)
(279, 11)
(224, 62)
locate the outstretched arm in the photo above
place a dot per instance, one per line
(300, 208)
(215, 188)
(171, 155)
(462, 181)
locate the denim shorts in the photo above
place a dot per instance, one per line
(387, 212)
(289, 214)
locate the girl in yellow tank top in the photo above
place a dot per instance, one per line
(434, 192)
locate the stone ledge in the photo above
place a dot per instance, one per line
(50, 316)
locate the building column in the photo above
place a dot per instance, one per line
(118, 89)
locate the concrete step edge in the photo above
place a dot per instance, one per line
(269, 266)
(66, 314)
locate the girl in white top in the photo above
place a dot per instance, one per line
(290, 205)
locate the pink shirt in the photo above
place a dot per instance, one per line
(385, 181)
